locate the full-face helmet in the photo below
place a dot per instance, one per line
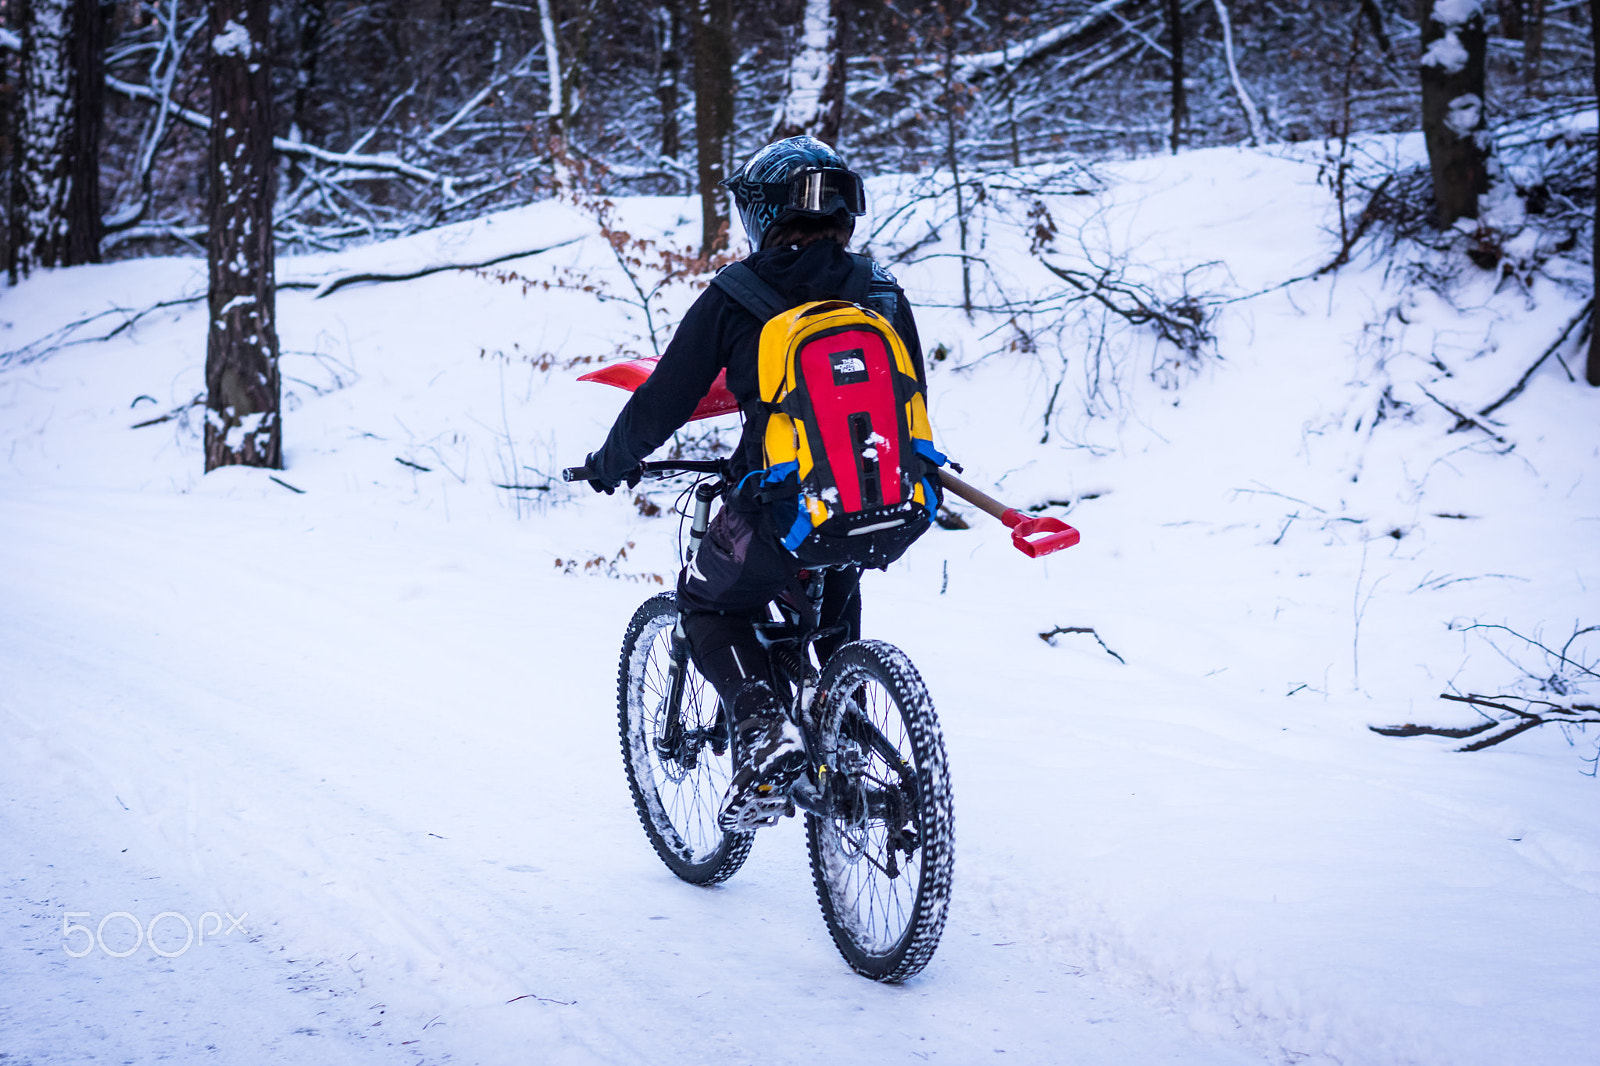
(794, 177)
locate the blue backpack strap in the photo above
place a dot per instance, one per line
(747, 290)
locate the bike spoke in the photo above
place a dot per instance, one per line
(882, 859)
(679, 780)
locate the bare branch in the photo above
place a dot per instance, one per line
(1050, 635)
(299, 149)
(334, 284)
(977, 67)
(1463, 421)
(1522, 382)
(1509, 722)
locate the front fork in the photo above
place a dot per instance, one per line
(672, 738)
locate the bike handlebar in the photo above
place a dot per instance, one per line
(656, 471)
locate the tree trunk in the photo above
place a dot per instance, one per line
(242, 426)
(1533, 47)
(8, 157)
(669, 63)
(1453, 43)
(1375, 18)
(1511, 19)
(56, 209)
(951, 102)
(312, 18)
(713, 116)
(1173, 10)
(814, 101)
(1593, 369)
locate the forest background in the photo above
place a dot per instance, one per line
(395, 115)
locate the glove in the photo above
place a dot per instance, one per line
(599, 484)
(607, 485)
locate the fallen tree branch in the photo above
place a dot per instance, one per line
(1049, 637)
(1463, 421)
(1182, 323)
(1509, 722)
(1364, 221)
(65, 336)
(1522, 382)
(176, 412)
(333, 284)
(977, 67)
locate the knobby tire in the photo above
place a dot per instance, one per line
(677, 803)
(877, 732)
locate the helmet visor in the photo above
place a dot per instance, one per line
(823, 192)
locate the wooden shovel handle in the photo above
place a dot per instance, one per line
(981, 500)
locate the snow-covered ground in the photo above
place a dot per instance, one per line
(361, 738)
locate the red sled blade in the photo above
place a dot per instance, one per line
(631, 374)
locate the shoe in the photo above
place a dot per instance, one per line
(771, 757)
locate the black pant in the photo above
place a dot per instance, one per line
(725, 589)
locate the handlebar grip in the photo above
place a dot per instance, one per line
(576, 473)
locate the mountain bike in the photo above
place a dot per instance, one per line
(876, 793)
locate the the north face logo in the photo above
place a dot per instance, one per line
(849, 368)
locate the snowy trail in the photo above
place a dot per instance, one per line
(378, 720)
(438, 819)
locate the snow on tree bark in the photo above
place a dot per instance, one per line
(56, 190)
(1252, 115)
(1592, 370)
(242, 426)
(1454, 46)
(713, 116)
(813, 103)
(556, 109)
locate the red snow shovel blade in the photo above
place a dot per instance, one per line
(1034, 537)
(631, 374)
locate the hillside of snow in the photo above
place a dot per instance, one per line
(361, 711)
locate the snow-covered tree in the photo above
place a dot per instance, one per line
(813, 100)
(1454, 46)
(56, 192)
(242, 426)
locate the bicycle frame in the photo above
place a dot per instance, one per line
(875, 786)
(788, 640)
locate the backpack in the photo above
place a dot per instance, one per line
(851, 467)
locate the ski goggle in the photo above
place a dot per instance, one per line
(816, 192)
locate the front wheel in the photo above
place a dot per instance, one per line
(882, 858)
(677, 749)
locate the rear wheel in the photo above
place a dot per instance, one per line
(676, 747)
(882, 862)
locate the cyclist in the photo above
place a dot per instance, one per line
(798, 201)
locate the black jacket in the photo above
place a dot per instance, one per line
(718, 333)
